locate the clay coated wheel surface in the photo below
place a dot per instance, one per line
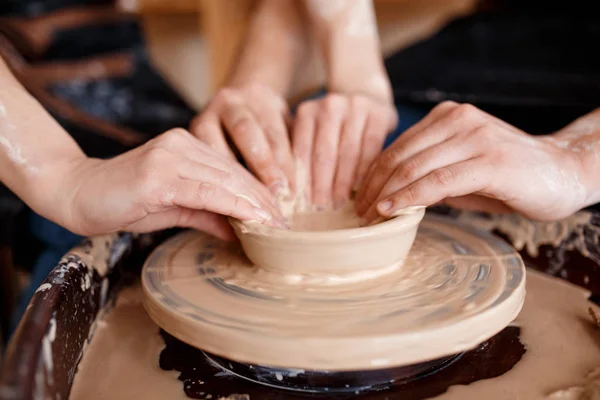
(457, 288)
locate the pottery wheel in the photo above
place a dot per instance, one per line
(457, 288)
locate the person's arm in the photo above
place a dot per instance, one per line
(172, 180)
(337, 137)
(251, 109)
(469, 159)
(346, 31)
(274, 45)
(34, 149)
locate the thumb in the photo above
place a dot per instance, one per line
(205, 221)
(211, 223)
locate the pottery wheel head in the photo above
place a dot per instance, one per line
(457, 288)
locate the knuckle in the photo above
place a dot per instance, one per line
(205, 192)
(154, 158)
(226, 178)
(410, 169)
(334, 103)
(463, 111)
(184, 218)
(447, 104)
(411, 195)
(444, 176)
(174, 137)
(263, 163)
(387, 160)
(483, 135)
(306, 109)
(242, 126)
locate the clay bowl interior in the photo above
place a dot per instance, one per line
(337, 252)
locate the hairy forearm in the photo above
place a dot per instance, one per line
(34, 149)
(347, 34)
(275, 44)
(582, 139)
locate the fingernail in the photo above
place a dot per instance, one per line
(262, 215)
(384, 207)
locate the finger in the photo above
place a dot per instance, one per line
(273, 123)
(209, 131)
(325, 150)
(185, 147)
(435, 133)
(213, 224)
(372, 143)
(302, 145)
(349, 153)
(206, 196)
(468, 177)
(452, 151)
(250, 140)
(473, 202)
(436, 113)
(230, 181)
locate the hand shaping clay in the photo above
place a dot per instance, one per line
(327, 244)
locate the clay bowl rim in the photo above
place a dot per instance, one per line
(390, 227)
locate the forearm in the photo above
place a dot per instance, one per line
(347, 34)
(34, 149)
(274, 46)
(582, 139)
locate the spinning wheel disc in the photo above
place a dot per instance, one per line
(457, 288)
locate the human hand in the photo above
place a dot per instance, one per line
(173, 180)
(336, 138)
(469, 159)
(254, 118)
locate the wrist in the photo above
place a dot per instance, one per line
(581, 152)
(590, 164)
(54, 190)
(257, 78)
(374, 85)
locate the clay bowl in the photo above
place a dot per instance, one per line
(341, 252)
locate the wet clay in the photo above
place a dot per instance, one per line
(327, 245)
(457, 288)
(326, 220)
(562, 347)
